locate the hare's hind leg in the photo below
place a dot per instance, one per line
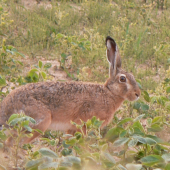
(41, 114)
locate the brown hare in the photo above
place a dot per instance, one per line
(54, 104)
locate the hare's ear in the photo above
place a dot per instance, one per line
(113, 56)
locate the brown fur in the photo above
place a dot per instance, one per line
(54, 104)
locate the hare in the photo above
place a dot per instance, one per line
(54, 104)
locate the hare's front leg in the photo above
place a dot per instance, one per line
(38, 111)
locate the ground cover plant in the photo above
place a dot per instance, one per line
(73, 32)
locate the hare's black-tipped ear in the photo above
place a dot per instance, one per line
(113, 56)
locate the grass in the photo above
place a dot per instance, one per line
(140, 30)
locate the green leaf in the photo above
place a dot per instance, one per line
(48, 165)
(43, 74)
(29, 129)
(140, 139)
(134, 166)
(13, 116)
(109, 157)
(136, 105)
(47, 65)
(33, 70)
(64, 56)
(167, 167)
(139, 117)
(66, 152)
(48, 152)
(132, 142)
(71, 141)
(120, 141)
(14, 121)
(157, 119)
(2, 81)
(144, 107)
(104, 147)
(40, 64)
(123, 133)
(168, 89)
(154, 128)
(151, 160)
(33, 164)
(150, 141)
(139, 126)
(166, 157)
(113, 134)
(72, 159)
(125, 121)
(93, 120)
(146, 96)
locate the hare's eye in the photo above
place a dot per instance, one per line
(122, 79)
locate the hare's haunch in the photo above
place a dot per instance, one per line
(54, 104)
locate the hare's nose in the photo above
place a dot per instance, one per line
(136, 95)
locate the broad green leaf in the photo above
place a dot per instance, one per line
(168, 89)
(33, 70)
(66, 164)
(138, 125)
(125, 121)
(71, 141)
(48, 152)
(113, 134)
(104, 147)
(123, 133)
(131, 166)
(88, 124)
(78, 135)
(40, 64)
(44, 75)
(166, 157)
(109, 157)
(150, 141)
(132, 142)
(167, 167)
(48, 165)
(14, 121)
(154, 128)
(144, 107)
(66, 152)
(29, 129)
(47, 65)
(2, 81)
(3, 136)
(158, 140)
(137, 105)
(120, 141)
(151, 160)
(33, 164)
(139, 117)
(146, 96)
(139, 138)
(93, 120)
(72, 159)
(13, 116)
(157, 119)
